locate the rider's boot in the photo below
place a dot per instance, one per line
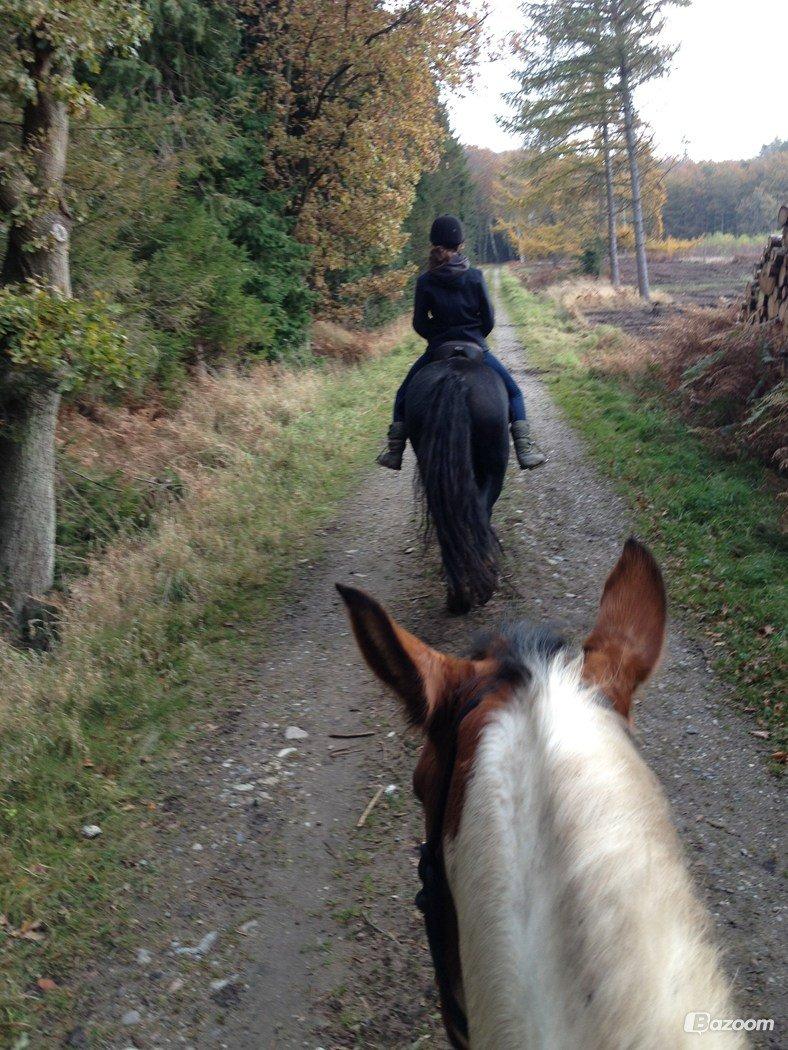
(392, 456)
(528, 455)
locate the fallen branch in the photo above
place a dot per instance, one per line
(340, 752)
(370, 806)
(378, 929)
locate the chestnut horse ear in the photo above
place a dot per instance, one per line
(421, 676)
(626, 642)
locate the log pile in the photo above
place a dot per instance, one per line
(766, 295)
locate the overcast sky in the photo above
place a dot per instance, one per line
(724, 98)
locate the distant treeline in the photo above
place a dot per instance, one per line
(684, 199)
(729, 196)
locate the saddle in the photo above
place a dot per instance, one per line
(470, 351)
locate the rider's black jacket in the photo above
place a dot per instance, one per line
(451, 303)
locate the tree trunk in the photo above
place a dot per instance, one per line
(27, 506)
(612, 224)
(38, 250)
(634, 176)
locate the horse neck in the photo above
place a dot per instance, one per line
(578, 924)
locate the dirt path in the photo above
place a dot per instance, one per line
(299, 927)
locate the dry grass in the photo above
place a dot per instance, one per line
(220, 412)
(588, 293)
(538, 274)
(670, 246)
(728, 379)
(225, 424)
(731, 378)
(263, 459)
(332, 341)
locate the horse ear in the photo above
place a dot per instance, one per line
(421, 676)
(625, 644)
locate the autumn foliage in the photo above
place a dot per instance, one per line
(352, 88)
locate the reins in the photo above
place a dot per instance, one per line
(434, 899)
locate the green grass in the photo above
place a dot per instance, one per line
(725, 243)
(713, 523)
(143, 657)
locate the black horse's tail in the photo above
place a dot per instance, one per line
(454, 506)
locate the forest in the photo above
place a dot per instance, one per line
(187, 184)
(732, 196)
(685, 200)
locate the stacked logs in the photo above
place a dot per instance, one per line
(766, 296)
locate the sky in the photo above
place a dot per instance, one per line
(723, 99)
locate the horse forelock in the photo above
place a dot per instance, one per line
(515, 656)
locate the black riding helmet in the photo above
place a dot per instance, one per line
(447, 232)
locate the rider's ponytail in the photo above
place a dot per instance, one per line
(440, 255)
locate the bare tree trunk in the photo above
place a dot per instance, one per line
(27, 503)
(612, 223)
(38, 250)
(634, 177)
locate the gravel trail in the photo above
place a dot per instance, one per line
(273, 921)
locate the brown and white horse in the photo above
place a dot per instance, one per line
(567, 919)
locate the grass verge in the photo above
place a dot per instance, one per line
(713, 522)
(150, 638)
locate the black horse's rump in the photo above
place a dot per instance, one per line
(457, 413)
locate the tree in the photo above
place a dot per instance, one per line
(633, 40)
(448, 188)
(731, 196)
(353, 86)
(493, 243)
(565, 103)
(584, 59)
(42, 40)
(188, 104)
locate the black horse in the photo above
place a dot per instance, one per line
(457, 414)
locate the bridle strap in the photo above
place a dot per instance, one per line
(434, 900)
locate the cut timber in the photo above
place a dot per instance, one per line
(766, 295)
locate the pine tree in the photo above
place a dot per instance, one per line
(566, 106)
(447, 189)
(583, 61)
(632, 32)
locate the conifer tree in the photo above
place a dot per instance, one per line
(632, 37)
(582, 61)
(566, 105)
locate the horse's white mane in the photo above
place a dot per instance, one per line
(579, 927)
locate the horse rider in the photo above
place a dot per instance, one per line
(451, 303)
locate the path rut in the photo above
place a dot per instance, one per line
(317, 942)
